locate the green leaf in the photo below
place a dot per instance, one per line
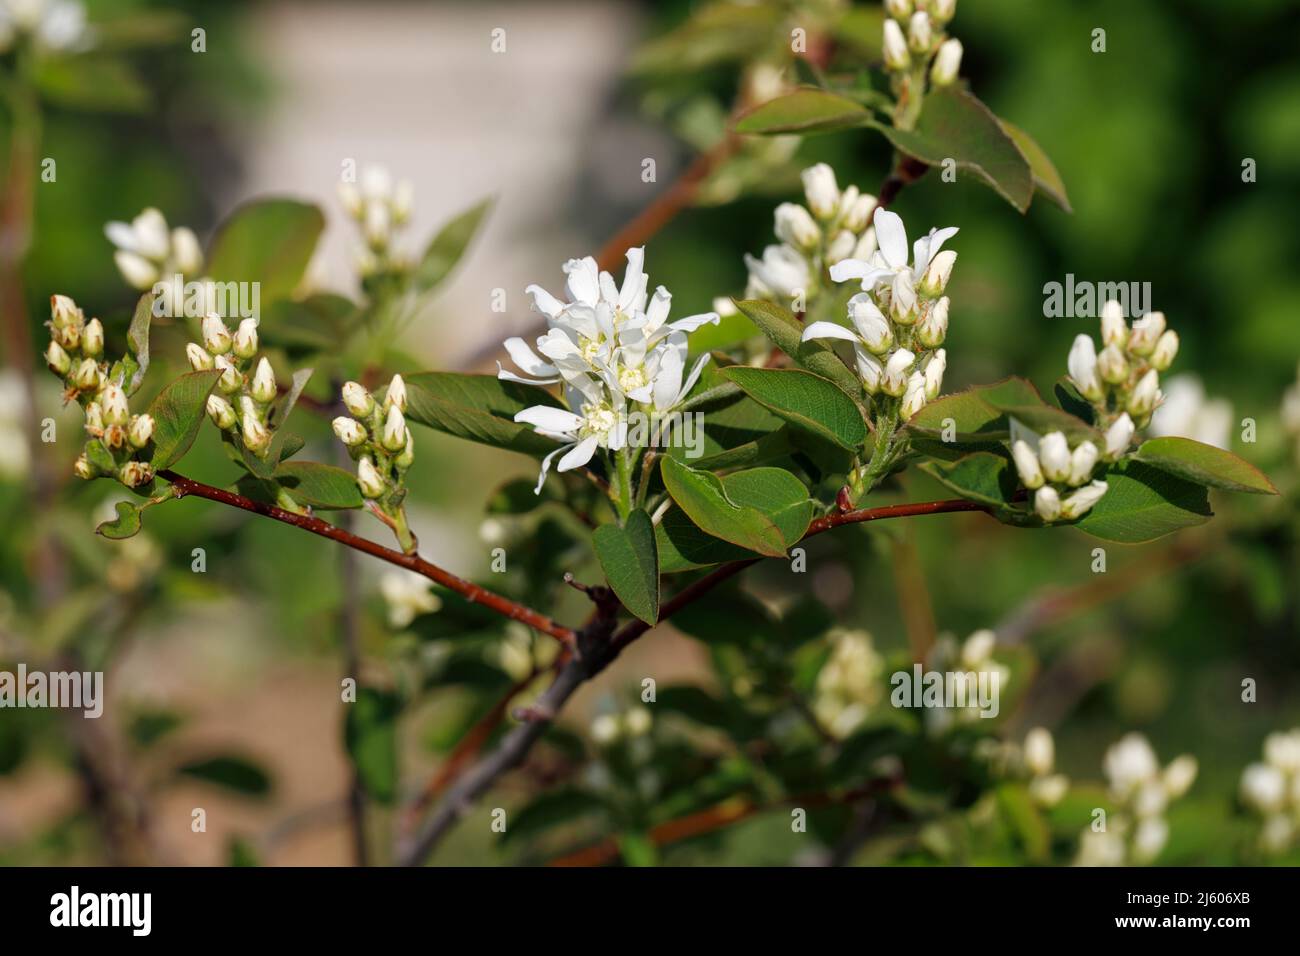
(976, 413)
(269, 241)
(370, 736)
(549, 810)
(177, 412)
(317, 323)
(715, 33)
(1143, 503)
(137, 337)
(702, 496)
(125, 525)
(982, 476)
(92, 83)
(631, 564)
(786, 332)
(448, 246)
(806, 401)
(1046, 179)
(479, 408)
(1204, 464)
(955, 125)
(233, 773)
(318, 485)
(807, 110)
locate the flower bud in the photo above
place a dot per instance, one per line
(1144, 397)
(221, 412)
(1080, 502)
(870, 324)
(899, 9)
(895, 47)
(914, 396)
(1082, 365)
(870, 371)
(138, 271)
(978, 648)
(897, 370)
(934, 370)
(199, 358)
(902, 299)
(1050, 790)
(84, 469)
(57, 359)
(369, 480)
(857, 214)
(114, 404)
(349, 431)
(1146, 331)
(1047, 503)
(92, 339)
(406, 457)
(94, 420)
(919, 32)
(245, 340)
(1026, 459)
(114, 436)
(396, 394)
(231, 380)
(1112, 365)
(1054, 453)
(87, 375)
(947, 63)
(933, 327)
(136, 473)
(1082, 460)
(941, 11)
(841, 247)
(263, 388)
(216, 337)
(795, 225)
(394, 437)
(357, 399)
(64, 312)
(151, 236)
(937, 273)
(256, 436)
(1119, 435)
(1166, 349)
(141, 430)
(821, 190)
(187, 257)
(1040, 751)
(1114, 331)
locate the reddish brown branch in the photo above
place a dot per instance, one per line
(412, 562)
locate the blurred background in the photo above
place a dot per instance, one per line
(224, 686)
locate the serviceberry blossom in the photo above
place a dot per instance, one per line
(147, 250)
(1059, 476)
(381, 207)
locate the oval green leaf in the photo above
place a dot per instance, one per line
(177, 412)
(630, 560)
(806, 401)
(1204, 464)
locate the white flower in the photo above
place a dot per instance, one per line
(1179, 776)
(821, 190)
(1040, 751)
(871, 330)
(1082, 364)
(1048, 791)
(897, 368)
(1149, 839)
(138, 272)
(1119, 435)
(601, 424)
(395, 396)
(1101, 848)
(1054, 453)
(781, 273)
(1187, 412)
(407, 595)
(1026, 459)
(1129, 763)
(1282, 750)
(947, 63)
(889, 262)
(978, 648)
(794, 225)
(187, 255)
(1080, 502)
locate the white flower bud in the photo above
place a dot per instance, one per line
(357, 399)
(919, 32)
(934, 370)
(1082, 365)
(231, 380)
(947, 63)
(857, 214)
(199, 358)
(1179, 776)
(1161, 357)
(264, 382)
(57, 359)
(1263, 788)
(1114, 331)
(245, 341)
(1040, 751)
(895, 47)
(151, 237)
(396, 394)
(795, 225)
(870, 371)
(221, 412)
(83, 468)
(141, 430)
(902, 299)
(1082, 460)
(369, 480)
(1146, 332)
(187, 257)
(136, 473)
(866, 246)
(937, 273)
(64, 312)
(256, 436)
(394, 437)
(1112, 365)
(933, 327)
(349, 431)
(92, 339)
(978, 648)
(138, 271)
(841, 247)
(1054, 453)
(114, 404)
(1145, 395)
(406, 457)
(114, 436)
(1047, 503)
(821, 190)
(87, 375)
(376, 183)
(870, 324)
(897, 370)
(941, 11)
(216, 337)
(899, 9)
(94, 420)
(1080, 502)
(1026, 459)
(1119, 435)
(914, 396)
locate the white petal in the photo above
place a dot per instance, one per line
(546, 466)
(657, 313)
(694, 376)
(892, 238)
(668, 383)
(583, 283)
(544, 302)
(580, 455)
(526, 358)
(508, 376)
(828, 330)
(555, 420)
(693, 322)
(633, 279)
(122, 235)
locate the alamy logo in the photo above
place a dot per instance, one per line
(133, 910)
(196, 299)
(947, 689)
(71, 690)
(1084, 299)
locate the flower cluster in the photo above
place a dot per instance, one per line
(900, 318)
(833, 226)
(380, 442)
(50, 24)
(1271, 789)
(613, 350)
(1059, 476)
(240, 405)
(76, 355)
(148, 251)
(1136, 831)
(906, 55)
(974, 655)
(380, 208)
(849, 684)
(1122, 381)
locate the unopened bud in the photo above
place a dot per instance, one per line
(116, 411)
(92, 339)
(933, 327)
(895, 47)
(796, 226)
(1165, 351)
(87, 375)
(231, 380)
(841, 247)
(394, 437)
(136, 473)
(357, 399)
(902, 300)
(114, 436)
(245, 341)
(899, 9)
(199, 358)
(871, 325)
(352, 200)
(263, 382)
(141, 430)
(1112, 365)
(1031, 474)
(94, 420)
(64, 312)
(1054, 453)
(1144, 397)
(934, 370)
(821, 190)
(221, 412)
(396, 394)
(937, 273)
(1047, 503)
(1114, 331)
(941, 11)
(138, 271)
(1082, 365)
(1080, 502)
(256, 436)
(897, 370)
(947, 63)
(1146, 332)
(187, 257)
(914, 396)
(349, 431)
(1082, 460)
(216, 337)
(406, 456)
(919, 32)
(1119, 435)
(369, 480)
(1040, 751)
(83, 468)
(57, 359)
